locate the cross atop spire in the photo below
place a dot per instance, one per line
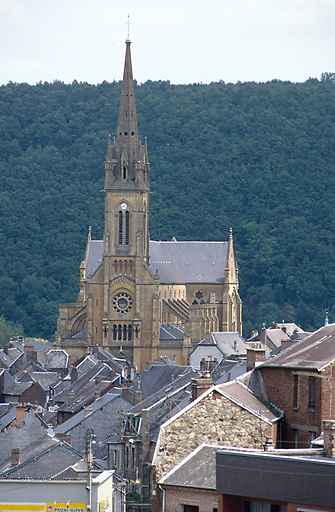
(128, 23)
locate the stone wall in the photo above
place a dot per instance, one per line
(216, 420)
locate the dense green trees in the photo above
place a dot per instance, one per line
(257, 157)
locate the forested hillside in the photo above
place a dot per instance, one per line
(257, 157)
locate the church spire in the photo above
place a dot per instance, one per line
(127, 129)
(127, 164)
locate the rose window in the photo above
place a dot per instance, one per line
(122, 303)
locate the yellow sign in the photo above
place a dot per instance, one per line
(104, 505)
(65, 507)
(22, 507)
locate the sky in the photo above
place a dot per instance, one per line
(183, 41)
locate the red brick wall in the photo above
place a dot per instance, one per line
(328, 392)
(279, 384)
(176, 496)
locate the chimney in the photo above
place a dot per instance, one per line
(15, 461)
(328, 427)
(98, 379)
(67, 438)
(74, 374)
(69, 399)
(88, 410)
(199, 386)
(208, 337)
(20, 415)
(138, 394)
(263, 335)
(255, 354)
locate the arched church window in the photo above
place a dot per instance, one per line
(125, 332)
(120, 227)
(119, 332)
(130, 267)
(124, 172)
(120, 267)
(127, 228)
(130, 332)
(115, 266)
(125, 266)
(114, 332)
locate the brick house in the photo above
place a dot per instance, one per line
(192, 483)
(228, 414)
(301, 382)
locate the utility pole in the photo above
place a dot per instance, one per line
(90, 440)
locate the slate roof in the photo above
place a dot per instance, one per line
(161, 376)
(277, 336)
(314, 352)
(5, 360)
(189, 262)
(268, 476)
(171, 332)
(197, 470)
(176, 262)
(85, 387)
(44, 459)
(228, 369)
(56, 359)
(101, 402)
(94, 257)
(45, 379)
(221, 345)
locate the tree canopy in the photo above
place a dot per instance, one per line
(257, 157)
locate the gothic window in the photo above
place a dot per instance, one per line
(114, 332)
(119, 331)
(120, 227)
(127, 228)
(124, 233)
(130, 332)
(124, 332)
(198, 294)
(124, 172)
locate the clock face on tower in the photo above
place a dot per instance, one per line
(122, 303)
(123, 206)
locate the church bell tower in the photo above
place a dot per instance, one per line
(126, 237)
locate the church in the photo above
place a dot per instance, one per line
(141, 299)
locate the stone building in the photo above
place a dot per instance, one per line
(227, 415)
(133, 291)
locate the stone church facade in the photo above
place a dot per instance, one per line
(140, 298)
